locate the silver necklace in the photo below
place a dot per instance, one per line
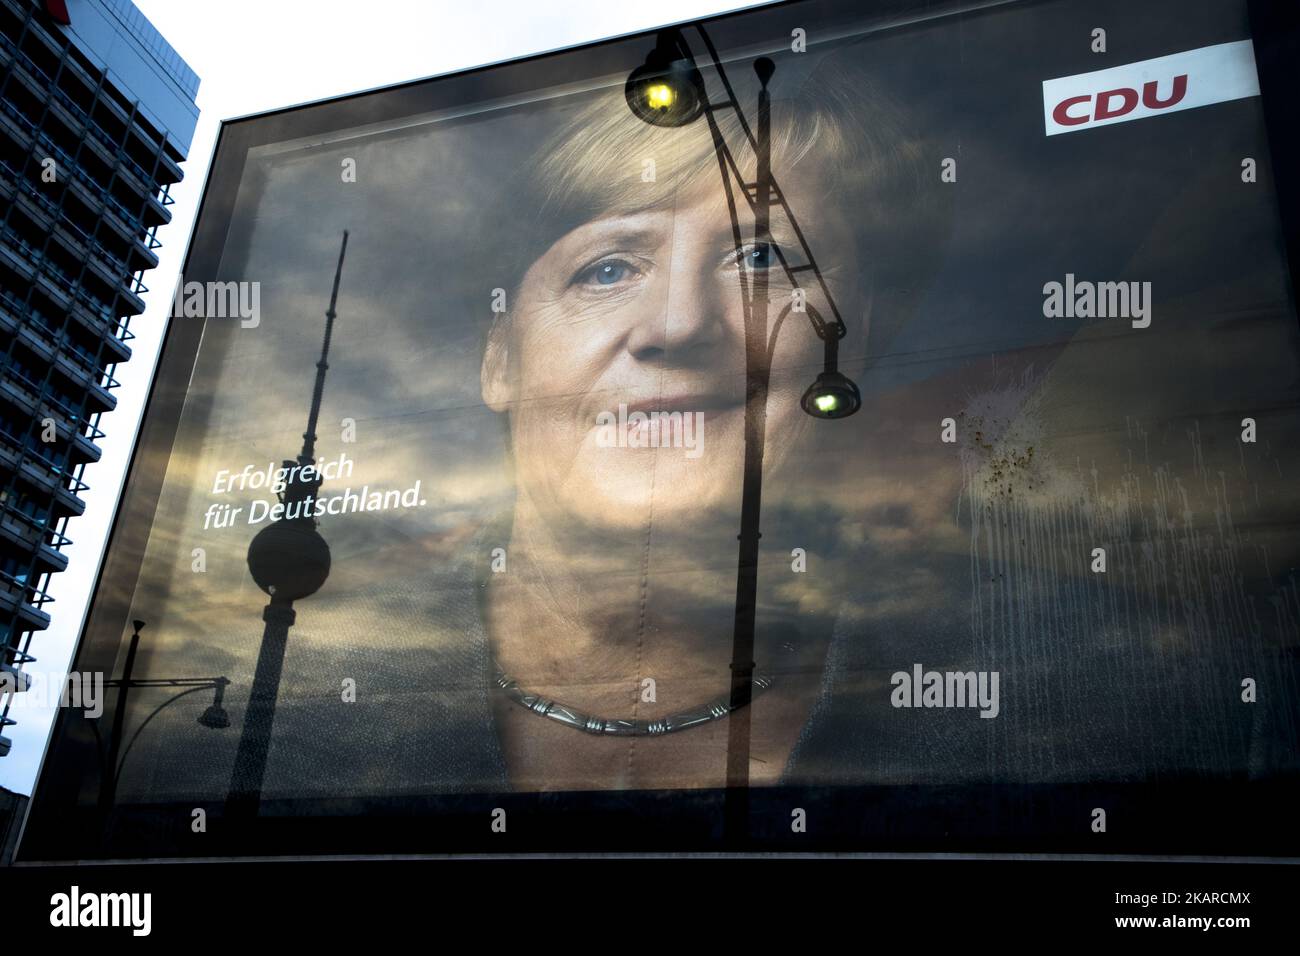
(572, 717)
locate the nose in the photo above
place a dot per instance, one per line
(685, 321)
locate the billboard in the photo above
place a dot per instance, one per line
(813, 428)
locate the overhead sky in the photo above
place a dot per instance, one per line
(254, 56)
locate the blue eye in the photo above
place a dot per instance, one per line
(607, 273)
(759, 257)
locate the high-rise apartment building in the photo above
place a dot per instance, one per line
(96, 113)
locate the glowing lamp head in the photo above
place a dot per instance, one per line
(666, 90)
(833, 395)
(659, 96)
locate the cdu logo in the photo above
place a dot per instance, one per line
(1181, 81)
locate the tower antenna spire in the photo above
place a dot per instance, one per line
(308, 454)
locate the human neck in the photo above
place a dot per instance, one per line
(578, 613)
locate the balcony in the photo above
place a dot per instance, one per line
(84, 451)
(60, 486)
(130, 296)
(18, 261)
(36, 206)
(51, 482)
(39, 343)
(81, 123)
(47, 272)
(41, 399)
(169, 171)
(99, 398)
(20, 391)
(93, 201)
(111, 329)
(14, 125)
(111, 268)
(133, 222)
(24, 602)
(80, 375)
(109, 151)
(156, 212)
(31, 534)
(39, 332)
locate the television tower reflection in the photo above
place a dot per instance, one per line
(289, 560)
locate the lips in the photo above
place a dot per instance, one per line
(684, 402)
(639, 418)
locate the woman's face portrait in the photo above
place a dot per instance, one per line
(624, 550)
(645, 308)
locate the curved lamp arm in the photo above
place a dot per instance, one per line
(157, 710)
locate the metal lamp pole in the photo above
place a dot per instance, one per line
(758, 371)
(669, 91)
(213, 717)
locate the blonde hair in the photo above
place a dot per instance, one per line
(592, 166)
(837, 130)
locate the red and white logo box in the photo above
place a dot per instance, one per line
(1180, 81)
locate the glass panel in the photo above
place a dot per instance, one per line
(1053, 549)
